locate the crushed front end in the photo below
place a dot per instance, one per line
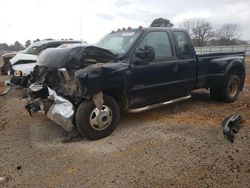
(57, 81)
(57, 108)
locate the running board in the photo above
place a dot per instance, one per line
(137, 110)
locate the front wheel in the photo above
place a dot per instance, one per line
(96, 124)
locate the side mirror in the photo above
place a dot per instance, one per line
(144, 55)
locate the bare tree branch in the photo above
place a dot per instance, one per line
(229, 31)
(161, 22)
(200, 31)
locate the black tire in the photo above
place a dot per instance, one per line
(215, 94)
(83, 115)
(231, 90)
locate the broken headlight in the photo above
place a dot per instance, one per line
(18, 73)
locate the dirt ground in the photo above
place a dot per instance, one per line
(181, 145)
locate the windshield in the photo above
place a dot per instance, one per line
(31, 49)
(118, 42)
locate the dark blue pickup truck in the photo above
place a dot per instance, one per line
(128, 71)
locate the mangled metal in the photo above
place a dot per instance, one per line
(72, 71)
(67, 76)
(8, 88)
(55, 107)
(231, 126)
(75, 57)
(104, 76)
(61, 111)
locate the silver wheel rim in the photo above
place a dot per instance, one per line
(100, 119)
(233, 88)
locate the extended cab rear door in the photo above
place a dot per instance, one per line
(186, 63)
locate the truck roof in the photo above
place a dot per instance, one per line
(151, 29)
(42, 42)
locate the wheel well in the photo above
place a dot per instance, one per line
(240, 72)
(119, 95)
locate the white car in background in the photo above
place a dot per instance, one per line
(23, 63)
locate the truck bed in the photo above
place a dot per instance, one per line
(212, 67)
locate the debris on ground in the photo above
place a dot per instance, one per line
(231, 126)
(19, 167)
(3, 179)
(6, 91)
(72, 136)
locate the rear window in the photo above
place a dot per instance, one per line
(183, 45)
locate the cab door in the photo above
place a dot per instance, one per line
(156, 80)
(186, 61)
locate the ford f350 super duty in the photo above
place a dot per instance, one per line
(131, 70)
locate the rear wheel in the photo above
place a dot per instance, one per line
(229, 92)
(94, 123)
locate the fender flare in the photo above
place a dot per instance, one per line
(237, 67)
(235, 64)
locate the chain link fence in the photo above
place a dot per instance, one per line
(214, 49)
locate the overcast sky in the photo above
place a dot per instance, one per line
(90, 20)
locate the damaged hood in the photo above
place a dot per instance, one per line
(23, 57)
(79, 71)
(73, 57)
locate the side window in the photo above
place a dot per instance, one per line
(161, 44)
(53, 45)
(183, 45)
(45, 46)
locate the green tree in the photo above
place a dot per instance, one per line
(161, 22)
(27, 43)
(36, 40)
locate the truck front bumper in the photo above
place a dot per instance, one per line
(57, 108)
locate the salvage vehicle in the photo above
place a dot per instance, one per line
(20, 66)
(128, 71)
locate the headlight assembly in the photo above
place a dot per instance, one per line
(18, 73)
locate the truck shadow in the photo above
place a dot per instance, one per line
(199, 99)
(46, 131)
